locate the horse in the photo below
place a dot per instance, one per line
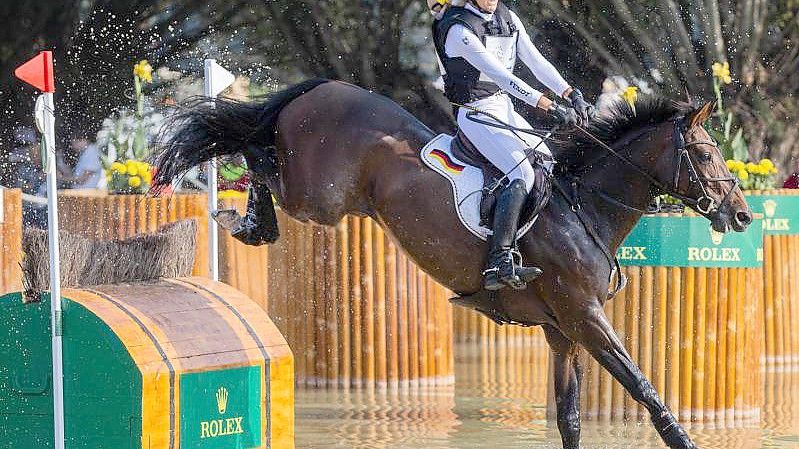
(326, 148)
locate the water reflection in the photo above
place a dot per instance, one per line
(497, 402)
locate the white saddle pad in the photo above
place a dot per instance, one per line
(467, 184)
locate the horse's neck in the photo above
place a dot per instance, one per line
(631, 191)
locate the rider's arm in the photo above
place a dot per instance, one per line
(538, 64)
(462, 42)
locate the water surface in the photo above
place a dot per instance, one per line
(493, 405)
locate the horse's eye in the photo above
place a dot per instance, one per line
(705, 158)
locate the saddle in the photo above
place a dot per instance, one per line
(463, 149)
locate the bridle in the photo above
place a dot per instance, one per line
(704, 204)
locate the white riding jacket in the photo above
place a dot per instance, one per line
(495, 59)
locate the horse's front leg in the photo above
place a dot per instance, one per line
(259, 225)
(590, 328)
(567, 385)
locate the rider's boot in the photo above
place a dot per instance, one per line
(502, 269)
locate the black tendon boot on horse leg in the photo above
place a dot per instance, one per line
(502, 269)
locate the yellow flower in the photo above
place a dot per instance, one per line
(722, 72)
(119, 168)
(147, 177)
(766, 162)
(743, 175)
(133, 167)
(144, 71)
(751, 167)
(134, 181)
(630, 94)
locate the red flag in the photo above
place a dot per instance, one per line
(38, 72)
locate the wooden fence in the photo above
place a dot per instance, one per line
(10, 240)
(780, 278)
(355, 310)
(696, 333)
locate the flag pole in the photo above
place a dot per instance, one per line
(217, 79)
(55, 270)
(38, 72)
(213, 228)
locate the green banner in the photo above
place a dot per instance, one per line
(690, 242)
(221, 409)
(780, 212)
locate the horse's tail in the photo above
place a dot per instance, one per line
(206, 128)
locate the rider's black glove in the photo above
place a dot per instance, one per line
(585, 110)
(565, 116)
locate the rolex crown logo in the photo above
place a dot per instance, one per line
(769, 207)
(716, 236)
(221, 400)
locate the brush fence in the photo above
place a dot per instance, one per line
(178, 363)
(780, 209)
(355, 310)
(10, 240)
(94, 214)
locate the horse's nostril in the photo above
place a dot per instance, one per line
(743, 218)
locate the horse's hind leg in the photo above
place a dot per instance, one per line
(567, 386)
(593, 331)
(259, 225)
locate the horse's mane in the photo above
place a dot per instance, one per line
(574, 150)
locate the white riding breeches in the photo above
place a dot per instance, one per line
(503, 148)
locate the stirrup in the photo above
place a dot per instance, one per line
(508, 273)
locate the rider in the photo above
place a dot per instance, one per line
(477, 42)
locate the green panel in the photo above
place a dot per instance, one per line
(102, 386)
(221, 409)
(26, 399)
(690, 242)
(781, 212)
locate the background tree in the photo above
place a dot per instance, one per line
(672, 44)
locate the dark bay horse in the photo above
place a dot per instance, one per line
(327, 148)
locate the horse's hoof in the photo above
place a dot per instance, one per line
(228, 219)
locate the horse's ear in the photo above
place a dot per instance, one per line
(699, 116)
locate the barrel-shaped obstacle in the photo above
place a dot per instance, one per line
(176, 363)
(354, 308)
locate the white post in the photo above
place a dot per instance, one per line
(55, 270)
(213, 229)
(216, 80)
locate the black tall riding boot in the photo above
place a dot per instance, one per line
(502, 270)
